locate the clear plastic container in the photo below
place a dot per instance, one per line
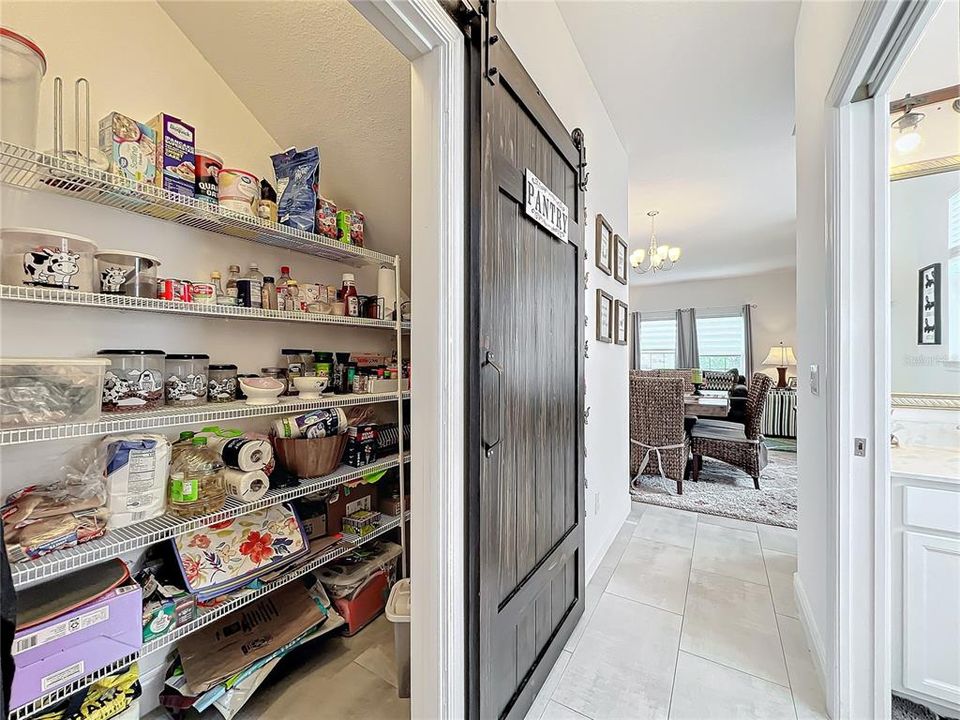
(186, 379)
(223, 383)
(22, 67)
(50, 391)
(47, 258)
(197, 486)
(134, 380)
(127, 273)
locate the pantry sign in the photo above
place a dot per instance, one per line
(544, 207)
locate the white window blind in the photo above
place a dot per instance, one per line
(720, 340)
(658, 342)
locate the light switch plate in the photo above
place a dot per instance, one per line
(815, 379)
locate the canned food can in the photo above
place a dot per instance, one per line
(205, 293)
(183, 291)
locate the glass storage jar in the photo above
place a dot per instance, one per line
(222, 384)
(134, 380)
(186, 379)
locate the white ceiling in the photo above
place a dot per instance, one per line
(935, 61)
(317, 73)
(701, 94)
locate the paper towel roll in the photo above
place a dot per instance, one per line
(242, 453)
(246, 486)
(387, 289)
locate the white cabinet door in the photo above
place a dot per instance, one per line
(931, 616)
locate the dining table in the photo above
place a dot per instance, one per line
(709, 403)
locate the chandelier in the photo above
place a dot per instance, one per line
(658, 257)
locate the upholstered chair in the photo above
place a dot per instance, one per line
(739, 445)
(659, 445)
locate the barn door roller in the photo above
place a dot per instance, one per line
(488, 8)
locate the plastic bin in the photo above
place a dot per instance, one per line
(21, 70)
(398, 612)
(50, 391)
(47, 258)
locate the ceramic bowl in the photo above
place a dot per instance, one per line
(310, 388)
(261, 390)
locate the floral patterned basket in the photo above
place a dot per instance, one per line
(222, 557)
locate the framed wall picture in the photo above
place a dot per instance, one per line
(620, 323)
(604, 317)
(620, 259)
(604, 244)
(928, 306)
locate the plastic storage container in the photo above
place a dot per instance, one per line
(197, 485)
(133, 381)
(398, 612)
(222, 385)
(49, 391)
(47, 258)
(186, 379)
(127, 273)
(359, 585)
(22, 67)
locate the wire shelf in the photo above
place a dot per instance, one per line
(173, 416)
(54, 296)
(25, 168)
(143, 534)
(346, 545)
(45, 701)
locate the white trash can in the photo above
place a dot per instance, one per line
(398, 612)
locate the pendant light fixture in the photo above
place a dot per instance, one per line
(658, 257)
(906, 125)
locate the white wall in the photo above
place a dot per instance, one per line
(773, 293)
(539, 37)
(822, 33)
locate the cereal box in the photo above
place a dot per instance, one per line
(175, 158)
(130, 146)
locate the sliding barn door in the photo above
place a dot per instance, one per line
(529, 297)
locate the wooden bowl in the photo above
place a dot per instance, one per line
(310, 457)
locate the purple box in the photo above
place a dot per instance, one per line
(176, 154)
(76, 643)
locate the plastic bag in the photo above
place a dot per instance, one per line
(298, 174)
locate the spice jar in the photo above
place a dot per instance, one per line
(222, 383)
(134, 380)
(186, 379)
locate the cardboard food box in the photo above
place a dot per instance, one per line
(175, 154)
(130, 146)
(313, 517)
(348, 500)
(361, 446)
(391, 505)
(76, 643)
(162, 616)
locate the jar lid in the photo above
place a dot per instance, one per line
(102, 254)
(223, 367)
(188, 356)
(324, 355)
(24, 40)
(132, 352)
(347, 277)
(291, 351)
(268, 278)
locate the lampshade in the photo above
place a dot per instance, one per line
(780, 356)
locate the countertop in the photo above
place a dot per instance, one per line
(926, 461)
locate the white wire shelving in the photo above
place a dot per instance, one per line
(174, 416)
(25, 168)
(239, 599)
(143, 534)
(55, 296)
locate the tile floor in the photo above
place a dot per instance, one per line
(689, 617)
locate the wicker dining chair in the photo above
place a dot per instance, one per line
(659, 445)
(732, 443)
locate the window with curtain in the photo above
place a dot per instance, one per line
(720, 337)
(658, 341)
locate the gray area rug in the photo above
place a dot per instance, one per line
(903, 709)
(724, 490)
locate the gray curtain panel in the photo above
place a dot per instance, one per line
(748, 341)
(635, 350)
(688, 354)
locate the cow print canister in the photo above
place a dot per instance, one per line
(47, 258)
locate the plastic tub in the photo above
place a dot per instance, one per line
(22, 67)
(398, 612)
(50, 391)
(222, 383)
(120, 272)
(47, 258)
(133, 381)
(186, 380)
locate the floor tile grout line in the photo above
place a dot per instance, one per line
(740, 670)
(783, 652)
(645, 604)
(581, 714)
(731, 577)
(686, 595)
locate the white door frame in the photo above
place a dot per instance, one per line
(857, 372)
(422, 31)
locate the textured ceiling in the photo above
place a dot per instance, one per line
(701, 94)
(317, 73)
(935, 61)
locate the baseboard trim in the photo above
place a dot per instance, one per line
(595, 561)
(814, 639)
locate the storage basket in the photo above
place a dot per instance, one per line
(310, 457)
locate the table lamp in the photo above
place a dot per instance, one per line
(781, 356)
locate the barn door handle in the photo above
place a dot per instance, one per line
(488, 447)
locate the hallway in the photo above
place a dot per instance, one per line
(688, 617)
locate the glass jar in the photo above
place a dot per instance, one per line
(222, 383)
(186, 379)
(134, 380)
(277, 373)
(197, 486)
